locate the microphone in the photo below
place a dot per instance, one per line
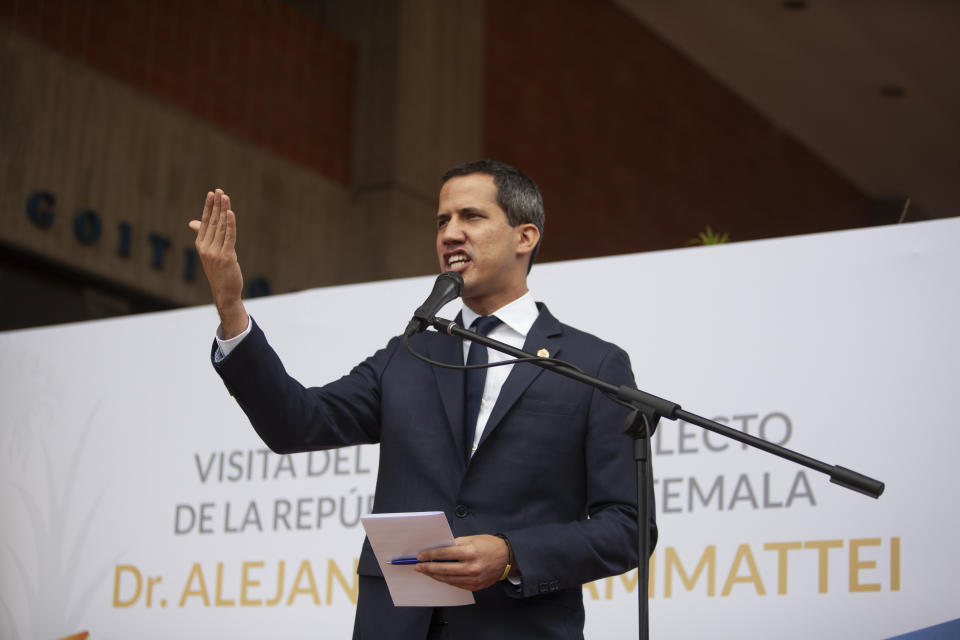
(447, 287)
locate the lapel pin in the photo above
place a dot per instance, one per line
(543, 353)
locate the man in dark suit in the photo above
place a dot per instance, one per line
(530, 468)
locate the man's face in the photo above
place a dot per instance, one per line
(475, 239)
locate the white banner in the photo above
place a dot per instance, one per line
(138, 502)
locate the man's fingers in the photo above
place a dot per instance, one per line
(218, 239)
(446, 570)
(194, 225)
(214, 216)
(459, 574)
(230, 235)
(447, 561)
(204, 221)
(441, 553)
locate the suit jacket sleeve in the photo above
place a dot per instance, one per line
(343, 413)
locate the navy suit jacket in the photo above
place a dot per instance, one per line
(552, 472)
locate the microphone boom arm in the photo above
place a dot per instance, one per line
(642, 400)
(645, 412)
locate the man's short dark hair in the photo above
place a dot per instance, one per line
(517, 193)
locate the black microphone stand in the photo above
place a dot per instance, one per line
(646, 411)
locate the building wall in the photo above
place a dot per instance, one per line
(330, 123)
(328, 130)
(633, 146)
(259, 70)
(111, 155)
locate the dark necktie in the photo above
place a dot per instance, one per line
(474, 379)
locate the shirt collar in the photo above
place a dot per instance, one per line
(519, 315)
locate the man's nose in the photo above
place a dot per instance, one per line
(452, 232)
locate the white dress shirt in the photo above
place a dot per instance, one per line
(225, 346)
(516, 319)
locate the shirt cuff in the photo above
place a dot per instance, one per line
(226, 345)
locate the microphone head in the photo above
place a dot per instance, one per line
(447, 286)
(457, 280)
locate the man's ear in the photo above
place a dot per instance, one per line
(528, 236)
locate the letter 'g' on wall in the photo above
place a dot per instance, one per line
(40, 208)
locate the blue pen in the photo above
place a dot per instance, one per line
(415, 561)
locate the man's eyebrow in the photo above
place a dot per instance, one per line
(466, 209)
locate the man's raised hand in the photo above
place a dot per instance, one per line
(216, 245)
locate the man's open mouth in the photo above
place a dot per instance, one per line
(457, 260)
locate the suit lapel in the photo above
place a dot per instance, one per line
(544, 334)
(444, 348)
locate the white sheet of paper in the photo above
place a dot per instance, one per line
(404, 535)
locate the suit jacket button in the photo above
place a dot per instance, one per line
(462, 511)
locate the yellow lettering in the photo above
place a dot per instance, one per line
(782, 548)
(219, 601)
(856, 564)
(895, 563)
(246, 582)
(591, 588)
(333, 571)
(708, 561)
(202, 589)
(304, 572)
(753, 577)
(629, 580)
(743, 569)
(126, 568)
(653, 573)
(276, 600)
(823, 548)
(151, 583)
